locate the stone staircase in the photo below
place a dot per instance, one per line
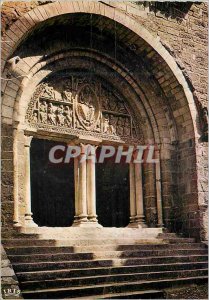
(105, 269)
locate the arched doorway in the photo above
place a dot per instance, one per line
(91, 112)
(157, 108)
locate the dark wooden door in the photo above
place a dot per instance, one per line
(52, 187)
(112, 194)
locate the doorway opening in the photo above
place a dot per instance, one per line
(112, 193)
(52, 187)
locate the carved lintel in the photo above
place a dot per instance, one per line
(87, 140)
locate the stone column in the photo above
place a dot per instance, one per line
(76, 185)
(140, 219)
(28, 214)
(158, 190)
(81, 189)
(91, 185)
(132, 194)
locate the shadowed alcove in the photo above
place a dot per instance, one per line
(112, 189)
(52, 187)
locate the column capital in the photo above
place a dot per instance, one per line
(27, 140)
(88, 149)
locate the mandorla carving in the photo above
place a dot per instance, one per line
(79, 104)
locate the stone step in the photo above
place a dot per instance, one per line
(102, 255)
(58, 293)
(174, 240)
(32, 266)
(80, 242)
(66, 249)
(149, 294)
(94, 280)
(27, 242)
(168, 235)
(92, 232)
(64, 273)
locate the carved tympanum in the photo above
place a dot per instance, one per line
(78, 104)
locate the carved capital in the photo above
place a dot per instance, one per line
(27, 141)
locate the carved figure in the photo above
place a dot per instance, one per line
(120, 107)
(127, 127)
(105, 103)
(48, 92)
(34, 118)
(60, 116)
(112, 103)
(120, 126)
(68, 96)
(51, 114)
(106, 125)
(43, 112)
(112, 125)
(86, 108)
(68, 116)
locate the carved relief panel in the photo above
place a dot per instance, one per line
(77, 104)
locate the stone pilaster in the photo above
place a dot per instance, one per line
(28, 213)
(16, 222)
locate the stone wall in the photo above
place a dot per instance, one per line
(9, 283)
(183, 28)
(7, 201)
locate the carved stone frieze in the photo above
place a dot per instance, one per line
(76, 104)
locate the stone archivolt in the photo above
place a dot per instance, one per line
(80, 105)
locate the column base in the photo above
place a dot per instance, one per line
(137, 225)
(87, 225)
(92, 218)
(30, 223)
(84, 222)
(94, 224)
(80, 221)
(16, 224)
(137, 222)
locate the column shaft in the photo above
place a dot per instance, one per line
(139, 194)
(82, 189)
(132, 193)
(91, 190)
(76, 186)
